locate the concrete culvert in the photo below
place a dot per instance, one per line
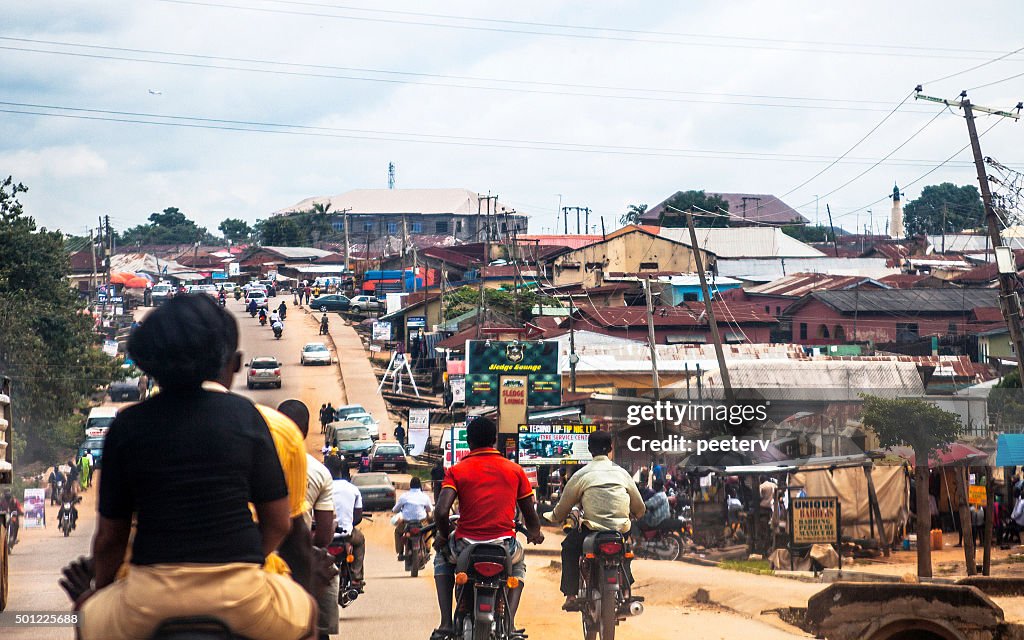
(916, 629)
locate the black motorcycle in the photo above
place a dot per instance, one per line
(277, 332)
(194, 628)
(263, 320)
(416, 546)
(341, 550)
(65, 520)
(605, 595)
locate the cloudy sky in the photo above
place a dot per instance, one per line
(236, 108)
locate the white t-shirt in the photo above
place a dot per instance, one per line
(413, 505)
(319, 488)
(346, 499)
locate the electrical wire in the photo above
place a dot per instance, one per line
(976, 67)
(995, 82)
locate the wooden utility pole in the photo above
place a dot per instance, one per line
(712, 323)
(835, 240)
(573, 358)
(655, 380)
(92, 278)
(966, 524)
(1009, 302)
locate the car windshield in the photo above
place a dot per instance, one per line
(161, 288)
(315, 347)
(264, 364)
(348, 411)
(365, 419)
(353, 433)
(389, 450)
(370, 479)
(93, 423)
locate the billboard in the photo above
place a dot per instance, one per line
(35, 509)
(815, 520)
(381, 330)
(419, 431)
(457, 435)
(554, 443)
(487, 361)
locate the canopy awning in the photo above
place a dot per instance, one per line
(1010, 450)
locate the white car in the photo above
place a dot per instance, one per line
(315, 353)
(260, 298)
(228, 287)
(162, 293)
(208, 289)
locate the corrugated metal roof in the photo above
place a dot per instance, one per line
(908, 301)
(750, 208)
(298, 253)
(969, 243)
(745, 242)
(800, 284)
(397, 201)
(572, 241)
(817, 379)
(768, 269)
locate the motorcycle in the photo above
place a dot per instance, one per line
(238, 294)
(193, 628)
(663, 542)
(263, 320)
(605, 595)
(14, 527)
(416, 546)
(482, 583)
(341, 550)
(252, 313)
(278, 330)
(65, 523)
(223, 301)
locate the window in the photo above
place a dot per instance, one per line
(691, 297)
(823, 332)
(416, 227)
(393, 228)
(840, 333)
(951, 329)
(458, 226)
(778, 311)
(442, 226)
(591, 266)
(907, 332)
(648, 266)
(368, 227)
(767, 309)
(504, 227)
(803, 330)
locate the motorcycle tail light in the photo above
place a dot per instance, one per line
(612, 579)
(350, 558)
(488, 569)
(414, 532)
(461, 578)
(334, 550)
(589, 556)
(610, 548)
(483, 606)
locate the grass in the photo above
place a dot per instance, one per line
(760, 567)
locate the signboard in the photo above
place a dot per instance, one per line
(815, 520)
(536, 361)
(554, 443)
(511, 403)
(419, 430)
(531, 475)
(381, 330)
(35, 509)
(234, 269)
(110, 348)
(456, 434)
(977, 495)
(416, 322)
(458, 384)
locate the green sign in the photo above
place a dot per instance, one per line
(488, 360)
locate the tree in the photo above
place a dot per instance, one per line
(235, 229)
(170, 226)
(633, 214)
(696, 201)
(281, 231)
(961, 207)
(806, 233)
(926, 429)
(47, 345)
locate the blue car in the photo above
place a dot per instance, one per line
(94, 446)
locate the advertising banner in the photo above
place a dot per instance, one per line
(554, 443)
(481, 390)
(110, 348)
(815, 520)
(416, 322)
(535, 361)
(545, 390)
(458, 383)
(381, 330)
(977, 495)
(511, 404)
(419, 430)
(454, 439)
(35, 509)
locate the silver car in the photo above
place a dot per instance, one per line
(315, 353)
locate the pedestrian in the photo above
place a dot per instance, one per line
(85, 462)
(53, 480)
(436, 478)
(400, 434)
(330, 413)
(308, 292)
(324, 325)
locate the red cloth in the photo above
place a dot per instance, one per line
(488, 486)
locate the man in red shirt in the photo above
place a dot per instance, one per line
(489, 487)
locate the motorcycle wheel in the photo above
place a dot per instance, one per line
(670, 547)
(416, 561)
(609, 615)
(67, 530)
(591, 613)
(4, 585)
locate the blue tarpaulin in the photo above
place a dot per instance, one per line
(1010, 450)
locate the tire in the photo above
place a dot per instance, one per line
(4, 584)
(249, 385)
(354, 309)
(279, 384)
(670, 547)
(481, 630)
(609, 614)
(323, 308)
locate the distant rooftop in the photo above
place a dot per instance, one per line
(744, 208)
(745, 242)
(399, 201)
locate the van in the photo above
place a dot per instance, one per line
(99, 421)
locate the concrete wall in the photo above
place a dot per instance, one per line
(874, 327)
(625, 253)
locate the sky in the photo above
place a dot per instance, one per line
(237, 108)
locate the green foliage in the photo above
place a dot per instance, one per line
(504, 302)
(235, 229)
(807, 233)
(168, 227)
(633, 214)
(280, 231)
(759, 567)
(963, 209)
(47, 345)
(919, 424)
(695, 200)
(1006, 404)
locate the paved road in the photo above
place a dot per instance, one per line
(394, 605)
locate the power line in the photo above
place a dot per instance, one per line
(995, 82)
(976, 67)
(195, 122)
(585, 36)
(834, 104)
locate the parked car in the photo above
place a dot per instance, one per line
(208, 289)
(360, 304)
(264, 371)
(315, 353)
(259, 296)
(352, 438)
(95, 447)
(270, 286)
(124, 390)
(377, 491)
(388, 455)
(344, 411)
(228, 287)
(99, 421)
(162, 293)
(366, 420)
(331, 302)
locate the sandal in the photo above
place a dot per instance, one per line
(442, 634)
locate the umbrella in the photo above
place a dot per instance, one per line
(137, 282)
(119, 277)
(956, 453)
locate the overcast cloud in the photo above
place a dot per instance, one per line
(509, 139)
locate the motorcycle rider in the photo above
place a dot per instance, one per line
(282, 310)
(323, 325)
(278, 326)
(56, 482)
(608, 497)
(413, 507)
(263, 316)
(348, 509)
(251, 307)
(488, 487)
(658, 507)
(68, 495)
(10, 504)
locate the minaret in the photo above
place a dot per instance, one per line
(896, 224)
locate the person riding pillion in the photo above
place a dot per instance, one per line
(414, 506)
(608, 497)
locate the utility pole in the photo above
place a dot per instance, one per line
(344, 216)
(586, 225)
(405, 242)
(835, 240)
(92, 278)
(573, 358)
(659, 425)
(1008, 298)
(713, 324)
(565, 219)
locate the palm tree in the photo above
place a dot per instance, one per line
(633, 214)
